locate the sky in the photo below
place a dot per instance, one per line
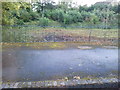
(84, 2)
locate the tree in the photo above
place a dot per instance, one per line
(83, 8)
(57, 15)
(94, 19)
(75, 15)
(11, 12)
(116, 8)
(43, 5)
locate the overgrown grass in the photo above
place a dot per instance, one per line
(33, 34)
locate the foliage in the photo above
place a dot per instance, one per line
(57, 15)
(47, 12)
(11, 12)
(43, 22)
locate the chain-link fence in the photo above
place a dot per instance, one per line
(51, 34)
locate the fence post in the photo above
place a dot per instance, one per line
(90, 35)
(8, 36)
(14, 37)
(25, 36)
(105, 36)
(19, 39)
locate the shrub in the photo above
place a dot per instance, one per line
(44, 22)
(20, 22)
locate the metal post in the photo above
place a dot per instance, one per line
(90, 35)
(14, 37)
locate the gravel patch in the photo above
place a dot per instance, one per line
(60, 83)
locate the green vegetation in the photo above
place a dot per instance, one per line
(39, 34)
(64, 14)
(37, 22)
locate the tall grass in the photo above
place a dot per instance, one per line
(29, 34)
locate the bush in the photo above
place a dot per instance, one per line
(24, 15)
(43, 22)
(57, 15)
(20, 22)
(34, 16)
(75, 16)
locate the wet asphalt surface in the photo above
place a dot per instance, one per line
(23, 64)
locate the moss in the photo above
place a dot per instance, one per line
(56, 45)
(85, 78)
